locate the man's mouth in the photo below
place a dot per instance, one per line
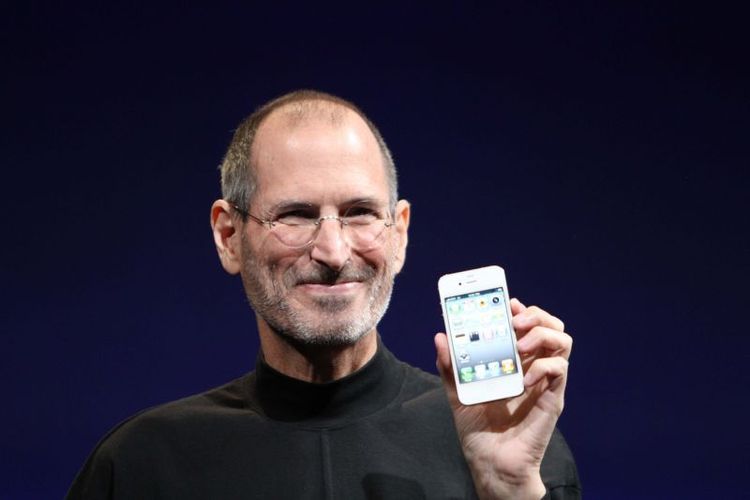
(339, 287)
(327, 278)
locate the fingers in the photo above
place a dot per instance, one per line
(533, 316)
(443, 361)
(540, 338)
(543, 341)
(516, 307)
(555, 370)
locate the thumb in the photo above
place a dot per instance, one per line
(443, 363)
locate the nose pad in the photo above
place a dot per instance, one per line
(321, 229)
(330, 245)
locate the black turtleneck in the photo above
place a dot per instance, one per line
(385, 431)
(368, 390)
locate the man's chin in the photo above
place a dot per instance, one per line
(320, 301)
(333, 305)
(327, 335)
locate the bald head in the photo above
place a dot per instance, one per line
(297, 113)
(291, 111)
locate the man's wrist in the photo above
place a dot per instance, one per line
(493, 485)
(499, 490)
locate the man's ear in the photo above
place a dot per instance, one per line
(226, 231)
(403, 215)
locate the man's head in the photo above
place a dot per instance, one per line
(238, 182)
(312, 156)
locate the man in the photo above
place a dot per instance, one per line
(311, 221)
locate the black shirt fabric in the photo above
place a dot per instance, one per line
(386, 431)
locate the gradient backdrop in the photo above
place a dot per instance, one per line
(598, 153)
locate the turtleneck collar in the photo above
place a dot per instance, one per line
(362, 393)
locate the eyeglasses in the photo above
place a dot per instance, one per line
(297, 227)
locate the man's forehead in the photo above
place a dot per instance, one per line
(326, 118)
(291, 117)
(296, 149)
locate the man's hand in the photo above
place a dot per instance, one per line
(504, 441)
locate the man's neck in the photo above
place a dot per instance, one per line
(316, 363)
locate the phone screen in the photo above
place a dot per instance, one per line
(481, 334)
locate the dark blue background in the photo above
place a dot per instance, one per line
(598, 153)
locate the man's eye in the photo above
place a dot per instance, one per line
(361, 215)
(296, 218)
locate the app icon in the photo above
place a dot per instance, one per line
(463, 356)
(454, 307)
(480, 370)
(472, 323)
(461, 338)
(486, 319)
(508, 366)
(494, 368)
(467, 374)
(502, 331)
(474, 336)
(496, 300)
(489, 333)
(482, 302)
(469, 306)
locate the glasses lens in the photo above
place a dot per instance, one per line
(295, 235)
(363, 228)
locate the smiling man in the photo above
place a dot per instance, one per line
(310, 220)
(319, 241)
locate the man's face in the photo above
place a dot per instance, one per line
(328, 293)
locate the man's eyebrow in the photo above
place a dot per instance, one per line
(291, 205)
(287, 205)
(362, 201)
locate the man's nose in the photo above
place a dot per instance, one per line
(330, 246)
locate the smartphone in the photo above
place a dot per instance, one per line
(476, 311)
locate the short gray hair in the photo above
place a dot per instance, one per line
(238, 181)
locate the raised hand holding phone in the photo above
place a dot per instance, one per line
(504, 440)
(481, 340)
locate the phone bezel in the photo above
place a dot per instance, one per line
(471, 281)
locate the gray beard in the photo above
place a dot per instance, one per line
(331, 331)
(269, 302)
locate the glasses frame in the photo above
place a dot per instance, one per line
(271, 224)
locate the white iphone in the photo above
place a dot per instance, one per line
(476, 310)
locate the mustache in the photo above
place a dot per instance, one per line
(323, 275)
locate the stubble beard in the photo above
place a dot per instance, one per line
(329, 321)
